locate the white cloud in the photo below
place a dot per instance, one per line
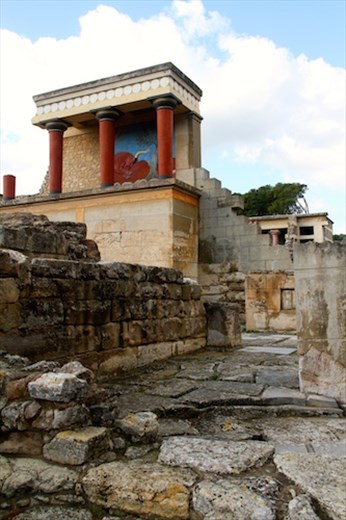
(260, 104)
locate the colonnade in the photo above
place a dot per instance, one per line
(107, 118)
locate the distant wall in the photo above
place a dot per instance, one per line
(270, 301)
(320, 279)
(226, 236)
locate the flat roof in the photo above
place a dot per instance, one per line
(129, 91)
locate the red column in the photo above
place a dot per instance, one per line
(107, 120)
(9, 187)
(56, 130)
(275, 234)
(165, 126)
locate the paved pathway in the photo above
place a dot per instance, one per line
(216, 435)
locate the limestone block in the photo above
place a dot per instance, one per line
(37, 476)
(120, 360)
(87, 312)
(36, 313)
(300, 508)
(109, 336)
(13, 264)
(13, 416)
(69, 417)
(155, 352)
(216, 456)
(189, 345)
(10, 318)
(223, 327)
(147, 490)
(142, 426)
(58, 387)
(76, 368)
(321, 374)
(222, 498)
(50, 268)
(9, 291)
(77, 447)
(80, 339)
(326, 487)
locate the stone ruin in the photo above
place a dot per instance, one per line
(68, 321)
(60, 303)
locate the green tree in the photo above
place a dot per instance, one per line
(281, 199)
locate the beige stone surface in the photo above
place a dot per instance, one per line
(141, 488)
(323, 478)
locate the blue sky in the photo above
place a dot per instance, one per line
(272, 74)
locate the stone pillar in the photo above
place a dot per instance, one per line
(9, 187)
(275, 234)
(165, 125)
(56, 130)
(107, 118)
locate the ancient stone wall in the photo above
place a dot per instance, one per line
(80, 162)
(223, 284)
(229, 246)
(227, 236)
(111, 316)
(270, 301)
(320, 280)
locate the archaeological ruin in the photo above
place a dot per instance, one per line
(162, 356)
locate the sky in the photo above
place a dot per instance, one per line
(272, 74)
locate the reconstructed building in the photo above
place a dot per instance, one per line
(125, 159)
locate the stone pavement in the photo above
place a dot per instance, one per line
(212, 435)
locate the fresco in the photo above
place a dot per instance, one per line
(135, 153)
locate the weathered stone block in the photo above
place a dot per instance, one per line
(223, 326)
(120, 360)
(36, 313)
(141, 427)
(58, 387)
(76, 447)
(13, 264)
(216, 456)
(148, 490)
(9, 291)
(9, 316)
(87, 312)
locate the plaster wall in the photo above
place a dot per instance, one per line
(320, 279)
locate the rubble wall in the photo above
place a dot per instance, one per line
(320, 280)
(58, 302)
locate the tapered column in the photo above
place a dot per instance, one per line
(9, 187)
(107, 118)
(275, 234)
(165, 126)
(56, 131)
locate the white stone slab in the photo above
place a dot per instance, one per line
(284, 351)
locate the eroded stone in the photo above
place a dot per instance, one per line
(216, 456)
(322, 478)
(58, 387)
(230, 499)
(143, 489)
(76, 447)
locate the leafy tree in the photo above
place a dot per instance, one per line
(281, 199)
(340, 238)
